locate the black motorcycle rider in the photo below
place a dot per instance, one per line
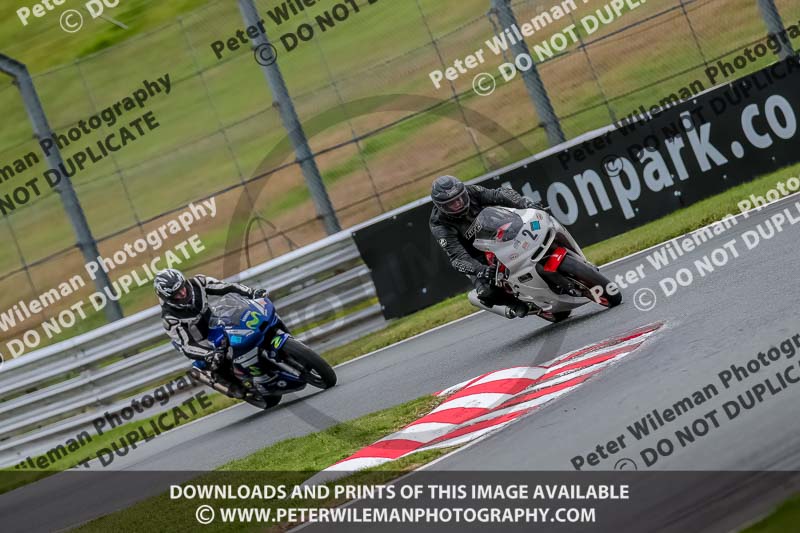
(185, 313)
(456, 207)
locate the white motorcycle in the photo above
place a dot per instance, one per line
(539, 263)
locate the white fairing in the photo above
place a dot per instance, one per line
(521, 254)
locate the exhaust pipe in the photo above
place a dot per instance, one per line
(500, 310)
(228, 389)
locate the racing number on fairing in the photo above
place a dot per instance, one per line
(535, 226)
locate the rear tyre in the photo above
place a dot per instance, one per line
(588, 277)
(316, 371)
(264, 402)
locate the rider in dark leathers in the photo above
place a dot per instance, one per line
(185, 313)
(455, 208)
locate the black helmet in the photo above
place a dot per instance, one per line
(450, 196)
(172, 287)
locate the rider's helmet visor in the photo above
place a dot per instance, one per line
(457, 205)
(182, 295)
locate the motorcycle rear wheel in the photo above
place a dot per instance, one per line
(316, 371)
(587, 277)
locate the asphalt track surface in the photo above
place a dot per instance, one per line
(726, 317)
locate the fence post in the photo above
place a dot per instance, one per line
(41, 129)
(533, 82)
(772, 18)
(291, 122)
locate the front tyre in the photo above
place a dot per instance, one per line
(588, 277)
(316, 371)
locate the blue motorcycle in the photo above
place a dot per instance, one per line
(276, 362)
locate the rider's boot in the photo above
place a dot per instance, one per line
(517, 310)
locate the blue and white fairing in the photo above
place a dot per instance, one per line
(244, 322)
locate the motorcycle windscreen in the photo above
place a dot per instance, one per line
(229, 311)
(236, 317)
(495, 224)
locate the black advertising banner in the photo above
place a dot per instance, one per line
(643, 171)
(653, 162)
(409, 268)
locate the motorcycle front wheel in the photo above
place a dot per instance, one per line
(316, 371)
(588, 277)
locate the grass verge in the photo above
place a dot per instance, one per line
(785, 518)
(289, 462)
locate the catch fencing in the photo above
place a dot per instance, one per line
(384, 132)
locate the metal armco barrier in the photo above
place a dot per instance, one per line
(54, 393)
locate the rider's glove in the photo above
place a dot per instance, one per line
(215, 359)
(530, 204)
(486, 273)
(259, 293)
